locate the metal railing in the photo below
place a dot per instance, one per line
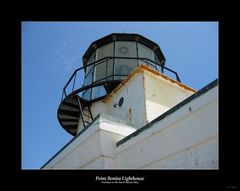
(100, 82)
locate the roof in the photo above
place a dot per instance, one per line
(123, 37)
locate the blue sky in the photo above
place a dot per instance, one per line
(51, 51)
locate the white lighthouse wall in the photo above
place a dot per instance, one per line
(133, 109)
(94, 148)
(185, 139)
(161, 94)
(85, 147)
(145, 97)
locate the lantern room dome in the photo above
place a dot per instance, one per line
(125, 37)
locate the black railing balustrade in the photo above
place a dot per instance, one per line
(111, 77)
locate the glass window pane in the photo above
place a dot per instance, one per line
(87, 94)
(125, 49)
(109, 69)
(88, 78)
(89, 71)
(104, 51)
(101, 70)
(92, 58)
(156, 59)
(89, 75)
(124, 67)
(145, 52)
(98, 92)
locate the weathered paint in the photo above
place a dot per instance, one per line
(161, 94)
(123, 83)
(170, 142)
(184, 139)
(142, 68)
(133, 108)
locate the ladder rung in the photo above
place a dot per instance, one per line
(87, 115)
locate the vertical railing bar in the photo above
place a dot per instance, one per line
(74, 81)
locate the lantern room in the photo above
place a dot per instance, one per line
(112, 58)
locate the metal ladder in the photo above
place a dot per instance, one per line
(85, 113)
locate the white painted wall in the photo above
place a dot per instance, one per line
(94, 148)
(161, 94)
(146, 96)
(200, 156)
(184, 139)
(133, 109)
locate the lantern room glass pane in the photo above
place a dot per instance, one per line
(124, 66)
(87, 94)
(109, 65)
(89, 75)
(92, 58)
(104, 51)
(100, 71)
(101, 67)
(156, 59)
(158, 62)
(89, 70)
(125, 49)
(145, 53)
(98, 91)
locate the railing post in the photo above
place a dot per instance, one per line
(74, 81)
(178, 79)
(62, 96)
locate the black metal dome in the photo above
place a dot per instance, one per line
(123, 37)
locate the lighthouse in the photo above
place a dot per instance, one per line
(129, 114)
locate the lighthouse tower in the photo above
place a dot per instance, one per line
(125, 112)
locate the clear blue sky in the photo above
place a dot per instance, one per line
(51, 51)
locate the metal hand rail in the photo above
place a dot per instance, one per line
(104, 60)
